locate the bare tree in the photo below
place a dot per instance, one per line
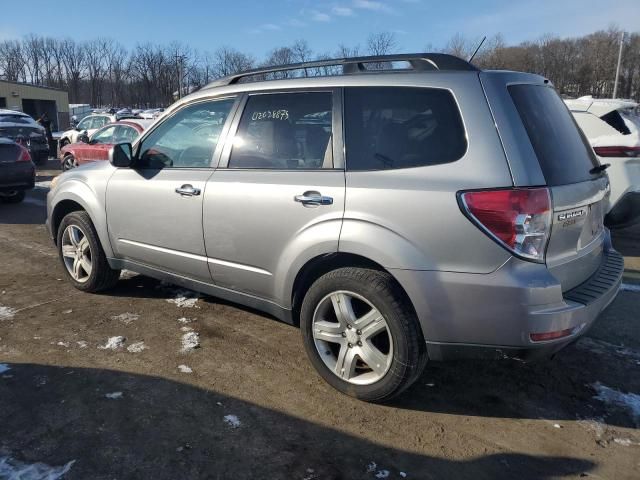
(381, 43)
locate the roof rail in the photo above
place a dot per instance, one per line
(355, 65)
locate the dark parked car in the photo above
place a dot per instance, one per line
(20, 127)
(17, 171)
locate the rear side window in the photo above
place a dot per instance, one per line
(563, 151)
(395, 127)
(285, 131)
(614, 119)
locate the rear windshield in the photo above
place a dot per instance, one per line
(16, 119)
(563, 151)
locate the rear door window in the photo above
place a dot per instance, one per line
(285, 131)
(397, 127)
(563, 151)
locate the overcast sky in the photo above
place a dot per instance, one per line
(256, 27)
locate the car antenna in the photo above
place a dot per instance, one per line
(477, 48)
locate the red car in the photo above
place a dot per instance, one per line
(98, 144)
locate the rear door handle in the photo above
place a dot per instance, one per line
(313, 198)
(188, 190)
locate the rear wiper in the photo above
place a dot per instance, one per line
(599, 168)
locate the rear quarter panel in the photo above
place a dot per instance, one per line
(410, 218)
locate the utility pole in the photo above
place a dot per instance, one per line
(615, 84)
(179, 60)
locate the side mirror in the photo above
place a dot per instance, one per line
(83, 137)
(121, 155)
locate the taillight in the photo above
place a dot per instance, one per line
(518, 218)
(24, 155)
(619, 151)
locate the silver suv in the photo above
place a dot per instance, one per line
(395, 215)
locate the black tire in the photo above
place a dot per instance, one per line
(14, 197)
(382, 291)
(68, 162)
(102, 276)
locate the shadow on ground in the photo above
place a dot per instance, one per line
(161, 429)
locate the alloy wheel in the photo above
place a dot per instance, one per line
(76, 253)
(68, 163)
(352, 337)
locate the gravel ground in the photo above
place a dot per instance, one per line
(131, 385)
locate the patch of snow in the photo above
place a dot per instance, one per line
(557, 425)
(63, 344)
(232, 420)
(6, 313)
(82, 344)
(431, 384)
(185, 369)
(12, 469)
(628, 401)
(601, 347)
(596, 425)
(68, 311)
(185, 299)
(136, 347)
(186, 329)
(186, 320)
(45, 185)
(403, 475)
(630, 287)
(219, 404)
(4, 367)
(190, 341)
(382, 474)
(625, 442)
(372, 467)
(114, 395)
(126, 317)
(113, 343)
(127, 274)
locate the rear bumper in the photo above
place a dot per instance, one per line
(626, 212)
(492, 316)
(17, 176)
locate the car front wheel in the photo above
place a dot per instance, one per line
(362, 334)
(69, 162)
(82, 255)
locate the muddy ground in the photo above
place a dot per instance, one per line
(247, 404)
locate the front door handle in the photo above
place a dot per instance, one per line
(188, 190)
(313, 198)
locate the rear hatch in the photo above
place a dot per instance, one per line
(566, 166)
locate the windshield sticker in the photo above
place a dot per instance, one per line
(271, 114)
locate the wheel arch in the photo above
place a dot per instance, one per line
(321, 264)
(79, 199)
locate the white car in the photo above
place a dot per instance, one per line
(612, 127)
(88, 125)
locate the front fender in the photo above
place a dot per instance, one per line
(91, 200)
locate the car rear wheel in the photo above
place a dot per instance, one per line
(69, 162)
(82, 255)
(362, 334)
(14, 196)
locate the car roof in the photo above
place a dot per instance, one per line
(4, 111)
(140, 122)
